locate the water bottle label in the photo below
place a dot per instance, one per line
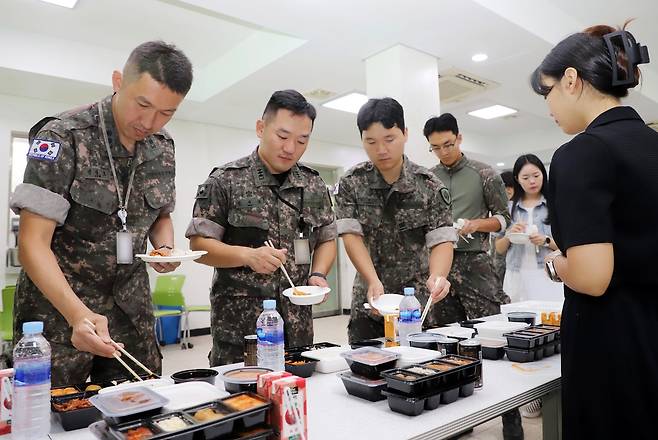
(269, 337)
(410, 316)
(32, 373)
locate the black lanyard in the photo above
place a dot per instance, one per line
(299, 210)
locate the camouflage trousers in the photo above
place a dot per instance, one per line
(475, 290)
(234, 317)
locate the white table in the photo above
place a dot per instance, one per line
(335, 414)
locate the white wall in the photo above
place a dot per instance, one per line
(199, 148)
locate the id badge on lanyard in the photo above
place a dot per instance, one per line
(301, 246)
(124, 241)
(124, 237)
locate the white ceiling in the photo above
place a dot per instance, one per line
(244, 50)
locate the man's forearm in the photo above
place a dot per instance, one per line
(441, 259)
(490, 224)
(324, 256)
(219, 254)
(162, 232)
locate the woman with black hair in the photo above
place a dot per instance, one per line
(603, 188)
(525, 278)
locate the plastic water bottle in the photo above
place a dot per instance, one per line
(409, 315)
(269, 330)
(31, 400)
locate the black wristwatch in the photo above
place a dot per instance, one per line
(547, 243)
(318, 274)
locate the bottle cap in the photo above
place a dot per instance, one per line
(409, 291)
(32, 327)
(269, 304)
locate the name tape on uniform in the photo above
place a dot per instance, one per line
(42, 149)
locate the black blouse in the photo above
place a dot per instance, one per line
(604, 189)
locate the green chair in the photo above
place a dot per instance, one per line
(169, 292)
(7, 314)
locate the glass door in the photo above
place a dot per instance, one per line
(332, 305)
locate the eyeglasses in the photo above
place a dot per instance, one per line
(444, 147)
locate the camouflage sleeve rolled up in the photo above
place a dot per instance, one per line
(346, 209)
(47, 179)
(440, 230)
(210, 214)
(496, 198)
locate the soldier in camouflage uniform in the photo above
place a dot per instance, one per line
(478, 197)
(68, 205)
(394, 218)
(267, 195)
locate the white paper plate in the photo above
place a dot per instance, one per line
(388, 303)
(519, 237)
(315, 295)
(187, 256)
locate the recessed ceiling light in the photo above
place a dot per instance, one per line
(500, 164)
(351, 102)
(66, 3)
(479, 57)
(494, 111)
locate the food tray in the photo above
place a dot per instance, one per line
(299, 365)
(363, 387)
(370, 361)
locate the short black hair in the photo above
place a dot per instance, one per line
(289, 100)
(508, 179)
(445, 122)
(165, 63)
(386, 111)
(587, 53)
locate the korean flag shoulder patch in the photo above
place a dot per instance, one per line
(43, 149)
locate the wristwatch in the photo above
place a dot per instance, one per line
(550, 267)
(318, 274)
(547, 242)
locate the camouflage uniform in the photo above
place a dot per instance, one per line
(477, 192)
(77, 191)
(399, 224)
(238, 205)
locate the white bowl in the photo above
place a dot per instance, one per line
(519, 237)
(388, 303)
(314, 295)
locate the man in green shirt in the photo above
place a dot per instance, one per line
(479, 207)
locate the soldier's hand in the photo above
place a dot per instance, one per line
(320, 282)
(375, 290)
(95, 339)
(469, 227)
(265, 260)
(164, 267)
(438, 286)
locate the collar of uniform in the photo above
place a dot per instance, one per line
(404, 184)
(263, 176)
(614, 114)
(455, 167)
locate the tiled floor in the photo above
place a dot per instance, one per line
(330, 329)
